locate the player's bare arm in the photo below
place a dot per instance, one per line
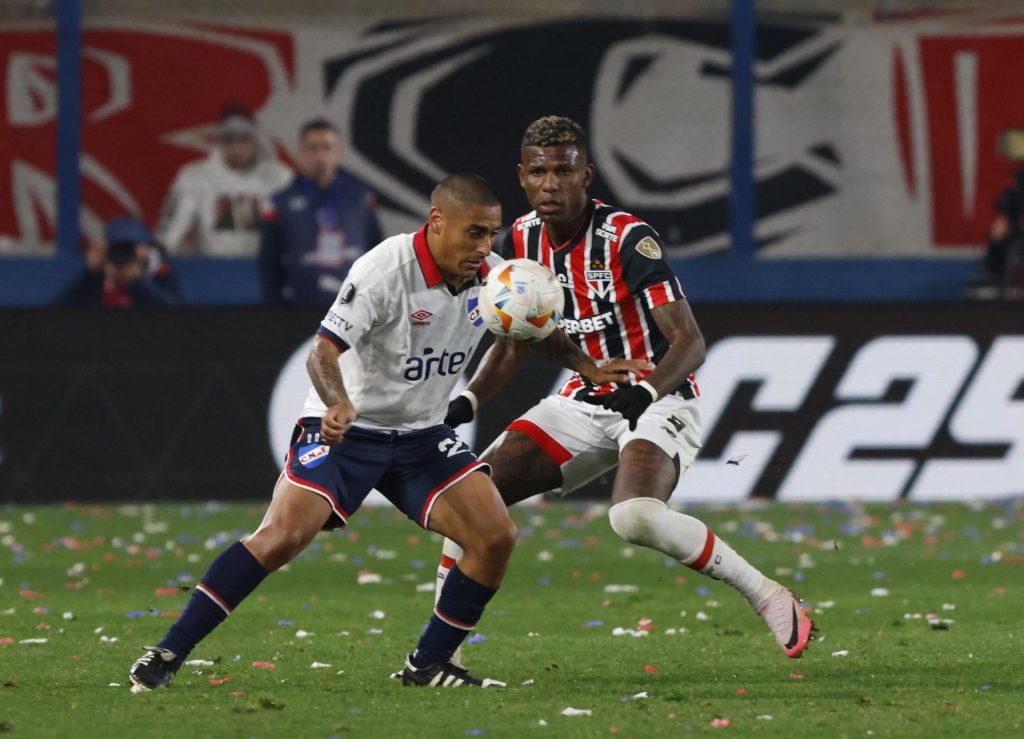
(497, 367)
(325, 372)
(560, 349)
(686, 346)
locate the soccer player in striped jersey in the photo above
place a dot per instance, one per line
(385, 359)
(622, 300)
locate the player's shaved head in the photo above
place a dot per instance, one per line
(555, 130)
(464, 189)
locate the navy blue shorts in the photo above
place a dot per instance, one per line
(410, 469)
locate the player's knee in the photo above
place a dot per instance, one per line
(499, 539)
(276, 546)
(636, 520)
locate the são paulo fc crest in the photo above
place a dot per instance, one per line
(599, 279)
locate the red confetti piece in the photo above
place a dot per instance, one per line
(30, 594)
(795, 676)
(741, 691)
(720, 723)
(264, 665)
(166, 591)
(235, 693)
(220, 680)
(6, 640)
(651, 669)
(959, 574)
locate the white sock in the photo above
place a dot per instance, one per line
(650, 523)
(450, 553)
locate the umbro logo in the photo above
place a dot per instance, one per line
(419, 318)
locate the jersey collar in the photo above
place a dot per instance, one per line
(585, 220)
(428, 265)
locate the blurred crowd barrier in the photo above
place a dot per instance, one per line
(878, 402)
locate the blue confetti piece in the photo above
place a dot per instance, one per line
(544, 581)
(703, 590)
(861, 611)
(593, 624)
(135, 614)
(879, 575)
(418, 564)
(285, 622)
(476, 639)
(475, 732)
(986, 687)
(799, 576)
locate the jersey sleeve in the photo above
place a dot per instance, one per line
(645, 268)
(362, 304)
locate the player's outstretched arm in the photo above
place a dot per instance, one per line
(560, 349)
(501, 361)
(325, 373)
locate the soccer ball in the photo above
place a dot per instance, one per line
(522, 300)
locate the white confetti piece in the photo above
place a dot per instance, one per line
(570, 711)
(368, 578)
(841, 653)
(534, 633)
(701, 616)
(619, 631)
(545, 556)
(68, 616)
(379, 615)
(542, 722)
(531, 681)
(303, 634)
(113, 685)
(825, 604)
(620, 588)
(8, 612)
(32, 641)
(374, 631)
(639, 696)
(385, 554)
(136, 689)
(425, 587)
(627, 552)
(199, 663)
(109, 639)
(764, 717)
(949, 606)
(880, 592)
(320, 666)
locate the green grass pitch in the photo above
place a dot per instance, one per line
(920, 610)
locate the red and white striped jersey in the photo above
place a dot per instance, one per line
(615, 274)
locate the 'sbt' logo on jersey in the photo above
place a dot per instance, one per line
(599, 279)
(587, 325)
(313, 455)
(609, 234)
(473, 307)
(444, 364)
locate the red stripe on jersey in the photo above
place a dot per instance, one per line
(635, 328)
(541, 438)
(571, 385)
(692, 379)
(587, 309)
(519, 237)
(658, 295)
(705, 555)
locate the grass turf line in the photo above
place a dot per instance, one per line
(110, 568)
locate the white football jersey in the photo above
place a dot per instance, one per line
(405, 339)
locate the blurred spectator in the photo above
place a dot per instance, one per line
(127, 270)
(213, 207)
(1001, 274)
(317, 226)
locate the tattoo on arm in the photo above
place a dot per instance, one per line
(325, 372)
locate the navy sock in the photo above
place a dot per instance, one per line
(460, 606)
(231, 577)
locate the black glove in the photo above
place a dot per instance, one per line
(460, 411)
(629, 400)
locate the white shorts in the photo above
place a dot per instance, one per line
(586, 440)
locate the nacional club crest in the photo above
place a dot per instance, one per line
(599, 279)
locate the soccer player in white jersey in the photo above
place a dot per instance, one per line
(622, 299)
(384, 362)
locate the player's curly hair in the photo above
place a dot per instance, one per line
(555, 130)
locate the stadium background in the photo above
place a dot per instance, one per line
(824, 172)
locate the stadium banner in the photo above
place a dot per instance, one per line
(877, 402)
(876, 138)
